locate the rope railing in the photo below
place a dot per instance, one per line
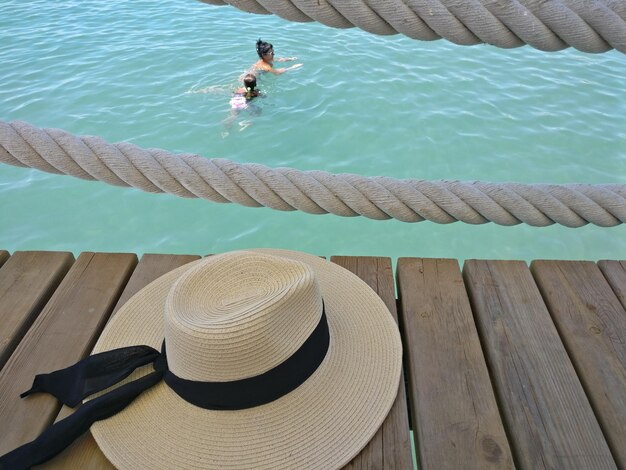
(314, 192)
(547, 25)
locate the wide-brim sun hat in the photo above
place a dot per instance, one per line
(239, 315)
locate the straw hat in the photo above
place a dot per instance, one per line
(238, 315)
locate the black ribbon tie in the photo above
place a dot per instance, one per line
(103, 370)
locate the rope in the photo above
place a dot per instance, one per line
(314, 192)
(548, 25)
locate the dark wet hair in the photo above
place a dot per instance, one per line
(249, 81)
(263, 48)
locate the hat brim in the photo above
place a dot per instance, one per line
(323, 423)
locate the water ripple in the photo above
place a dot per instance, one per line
(160, 74)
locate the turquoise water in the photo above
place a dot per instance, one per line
(160, 74)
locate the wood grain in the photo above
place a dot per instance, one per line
(27, 280)
(64, 332)
(615, 274)
(548, 414)
(4, 255)
(548, 418)
(391, 446)
(454, 410)
(84, 453)
(592, 324)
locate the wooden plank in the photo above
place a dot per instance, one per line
(549, 420)
(615, 274)
(84, 453)
(4, 255)
(592, 324)
(390, 448)
(455, 416)
(65, 331)
(150, 268)
(27, 280)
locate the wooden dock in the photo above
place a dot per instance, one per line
(506, 365)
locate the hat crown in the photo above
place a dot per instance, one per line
(238, 315)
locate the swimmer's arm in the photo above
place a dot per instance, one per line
(276, 71)
(268, 68)
(280, 71)
(283, 70)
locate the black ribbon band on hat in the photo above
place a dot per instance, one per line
(100, 371)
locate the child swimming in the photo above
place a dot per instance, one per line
(245, 94)
(240, 101)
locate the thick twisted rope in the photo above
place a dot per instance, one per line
(548, 25)
(315, 192)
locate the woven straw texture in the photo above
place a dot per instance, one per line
(322, 424)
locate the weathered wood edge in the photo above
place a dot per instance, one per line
(615, 274)
(592, 323)
(454, 411)
(27, 281)
(84, 453)
(4, 255)
(547, 415)
(390, 448)
(68, 325)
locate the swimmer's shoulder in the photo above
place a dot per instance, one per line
(261, 67)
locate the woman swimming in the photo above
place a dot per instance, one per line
(266, 60)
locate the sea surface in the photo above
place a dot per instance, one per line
(160, 74)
